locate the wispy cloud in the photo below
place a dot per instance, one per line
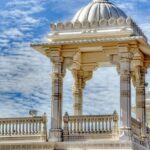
(21, 87)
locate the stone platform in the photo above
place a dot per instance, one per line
(86, 145)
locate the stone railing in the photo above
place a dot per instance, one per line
(27, 128)
(96, 25)
(136, 127)
(86, 127)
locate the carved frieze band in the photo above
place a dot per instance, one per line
(125, 78)
(140, 104)
(37, 146)
(90, 40)
(125, 93)
(125, 57)
(77, 105)
(102, 23)
(140, 91)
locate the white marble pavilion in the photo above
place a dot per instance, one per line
(99, 35)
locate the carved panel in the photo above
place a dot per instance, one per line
(112, 22)
(68, 25)
(125, 78)
(94, 24)
(129, 21)
(125, 93)
(103, 22)
(77, 25)
(53, 26)
(85, 24)
(60, 26)
(121, 21)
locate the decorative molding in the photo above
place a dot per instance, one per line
(91, 49)
(55, 135)
(81, 77)
(93, 40)
(112, 22)
(27, 146)
(125, 78)
(140, 90)
(138, 75)
(124, 93)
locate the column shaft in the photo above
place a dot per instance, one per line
(56, 105)
(77, 92)
(140, 102)
(78, 101)
(125, 98)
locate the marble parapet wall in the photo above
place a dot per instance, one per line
(97, 25)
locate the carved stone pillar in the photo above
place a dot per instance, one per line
(78, 101)
(125, 90)
(56, 104)
(77, 93)
(80, 78)
(140, 98)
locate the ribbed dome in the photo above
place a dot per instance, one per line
(98, 9)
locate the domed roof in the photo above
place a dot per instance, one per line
(98, 9)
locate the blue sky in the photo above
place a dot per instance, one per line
(25, 81)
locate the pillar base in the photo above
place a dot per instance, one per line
(125, 134)
(55, 135)
(145, 142)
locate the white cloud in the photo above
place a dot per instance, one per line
(22, 74)
(13, 32)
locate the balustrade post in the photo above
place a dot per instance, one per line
(20, 127)
(13, 127)
(66, 126)
(115, 124)
(103, 128)
(0, 127)
(9, 127)
(6, 128)
(45, 126)
(16, 127)
(40, 127)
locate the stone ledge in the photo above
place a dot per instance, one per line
(87, 145)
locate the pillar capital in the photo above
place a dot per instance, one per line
(60, 64)
(138, 76)
(80, 77)
(53, 52)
